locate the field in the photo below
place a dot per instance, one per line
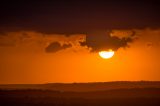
(117, 94)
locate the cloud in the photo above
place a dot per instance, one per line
(103, 40)
(148, 38)
(72, 17)
(31, 41)
(55, 46)
(123, 33)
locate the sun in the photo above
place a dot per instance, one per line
(106, 54)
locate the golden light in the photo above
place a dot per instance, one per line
(106, 54)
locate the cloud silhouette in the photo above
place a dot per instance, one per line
(31, 41)
(104, 41)
(55, 46)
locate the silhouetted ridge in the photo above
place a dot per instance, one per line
(84, 87)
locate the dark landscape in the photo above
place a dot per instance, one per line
(141, 93)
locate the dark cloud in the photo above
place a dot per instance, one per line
(55, 46)
(77, 16)
(103, 41)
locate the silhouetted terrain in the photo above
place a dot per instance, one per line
(81, 87)
(117, 94)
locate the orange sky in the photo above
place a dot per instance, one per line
(23, 58)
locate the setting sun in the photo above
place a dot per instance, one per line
(106, 54)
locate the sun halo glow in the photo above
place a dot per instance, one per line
(106, 54)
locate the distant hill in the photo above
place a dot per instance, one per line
(85, 87)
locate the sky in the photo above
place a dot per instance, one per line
(58, 41)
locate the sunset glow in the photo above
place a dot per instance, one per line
(73, 41)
